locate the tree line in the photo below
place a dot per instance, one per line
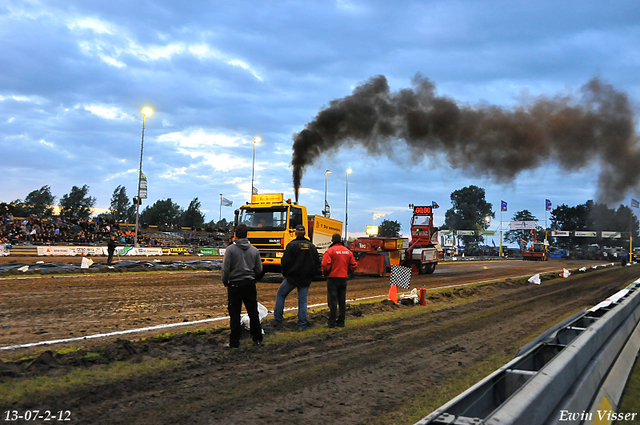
(471, 211)
(77, 205)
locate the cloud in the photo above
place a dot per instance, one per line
(96, 25)
(204, 51)
(108, 112)
(132, 171)
(199, 138)
(381, 214)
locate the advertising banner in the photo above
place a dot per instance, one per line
(209, 251)
(175, 251)
(557, 233)
(130, 251)
(96, 250)
(465, 232)
(522, 225)
(612, 235)
(71, 250)
(143, 186)
(586, 233)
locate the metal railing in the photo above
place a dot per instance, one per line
(565, 376)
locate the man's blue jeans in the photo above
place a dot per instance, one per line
(281, 295)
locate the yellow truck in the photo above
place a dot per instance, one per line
(271, 221)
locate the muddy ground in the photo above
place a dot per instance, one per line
(350, 375)
(51, 307)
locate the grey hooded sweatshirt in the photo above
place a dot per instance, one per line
(241, 261)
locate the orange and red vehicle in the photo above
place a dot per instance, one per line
(376, 255)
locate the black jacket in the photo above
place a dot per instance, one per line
(300, 262)
(111, 246)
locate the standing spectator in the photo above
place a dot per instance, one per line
(300, 263)
(337, 264)
(111, 248)
(240, 267)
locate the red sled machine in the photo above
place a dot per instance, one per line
(376, 255)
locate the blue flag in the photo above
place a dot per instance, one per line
(634, 203)
(434, 205)
(547, 205)
(503, 206)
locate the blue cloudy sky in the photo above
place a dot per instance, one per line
(74, 76)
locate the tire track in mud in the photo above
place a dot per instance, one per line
(352, 375)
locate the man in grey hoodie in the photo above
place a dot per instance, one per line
(240, 267)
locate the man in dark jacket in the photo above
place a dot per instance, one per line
(111, 248)
(240, 267)
(300, 263)
(337, 264)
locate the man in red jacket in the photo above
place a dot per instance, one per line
(337, 264)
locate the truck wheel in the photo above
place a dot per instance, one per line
(431, 268)
(424, 268)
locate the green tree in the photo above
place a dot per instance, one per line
(389, 228)
(526, 235)
(77, 204)
(193, 217)
(15, 208)
(162, 212)
(40, 202)
(468, 212)
(120, 204)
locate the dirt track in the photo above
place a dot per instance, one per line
(56, 307)
(350, 375)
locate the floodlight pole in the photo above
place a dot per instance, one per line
(135, 240)
(325, 210)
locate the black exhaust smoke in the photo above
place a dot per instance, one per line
(484, 140)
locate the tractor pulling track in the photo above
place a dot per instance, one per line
(350, 375)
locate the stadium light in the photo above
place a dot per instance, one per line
(326, 206)
(346, 206)
(146, 111)
(256, 140)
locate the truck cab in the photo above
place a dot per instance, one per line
(271, 222)
(424, 250)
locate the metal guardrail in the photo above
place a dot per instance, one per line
(565, 376)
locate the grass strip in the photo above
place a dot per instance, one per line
(30, 390)
(630, 402)
(432, 398)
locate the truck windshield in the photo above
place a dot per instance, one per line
(264, 218)
(420, 220)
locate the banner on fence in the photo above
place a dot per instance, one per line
(522, 225)
(71, 250)
(175, 251)
(96, 250)
(586, 233)
(612, 235)
(557, 233)
(3, 250)
(209, 251)
(131, 251)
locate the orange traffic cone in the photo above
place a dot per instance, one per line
(393, 294)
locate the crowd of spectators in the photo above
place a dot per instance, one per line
(54, 231)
